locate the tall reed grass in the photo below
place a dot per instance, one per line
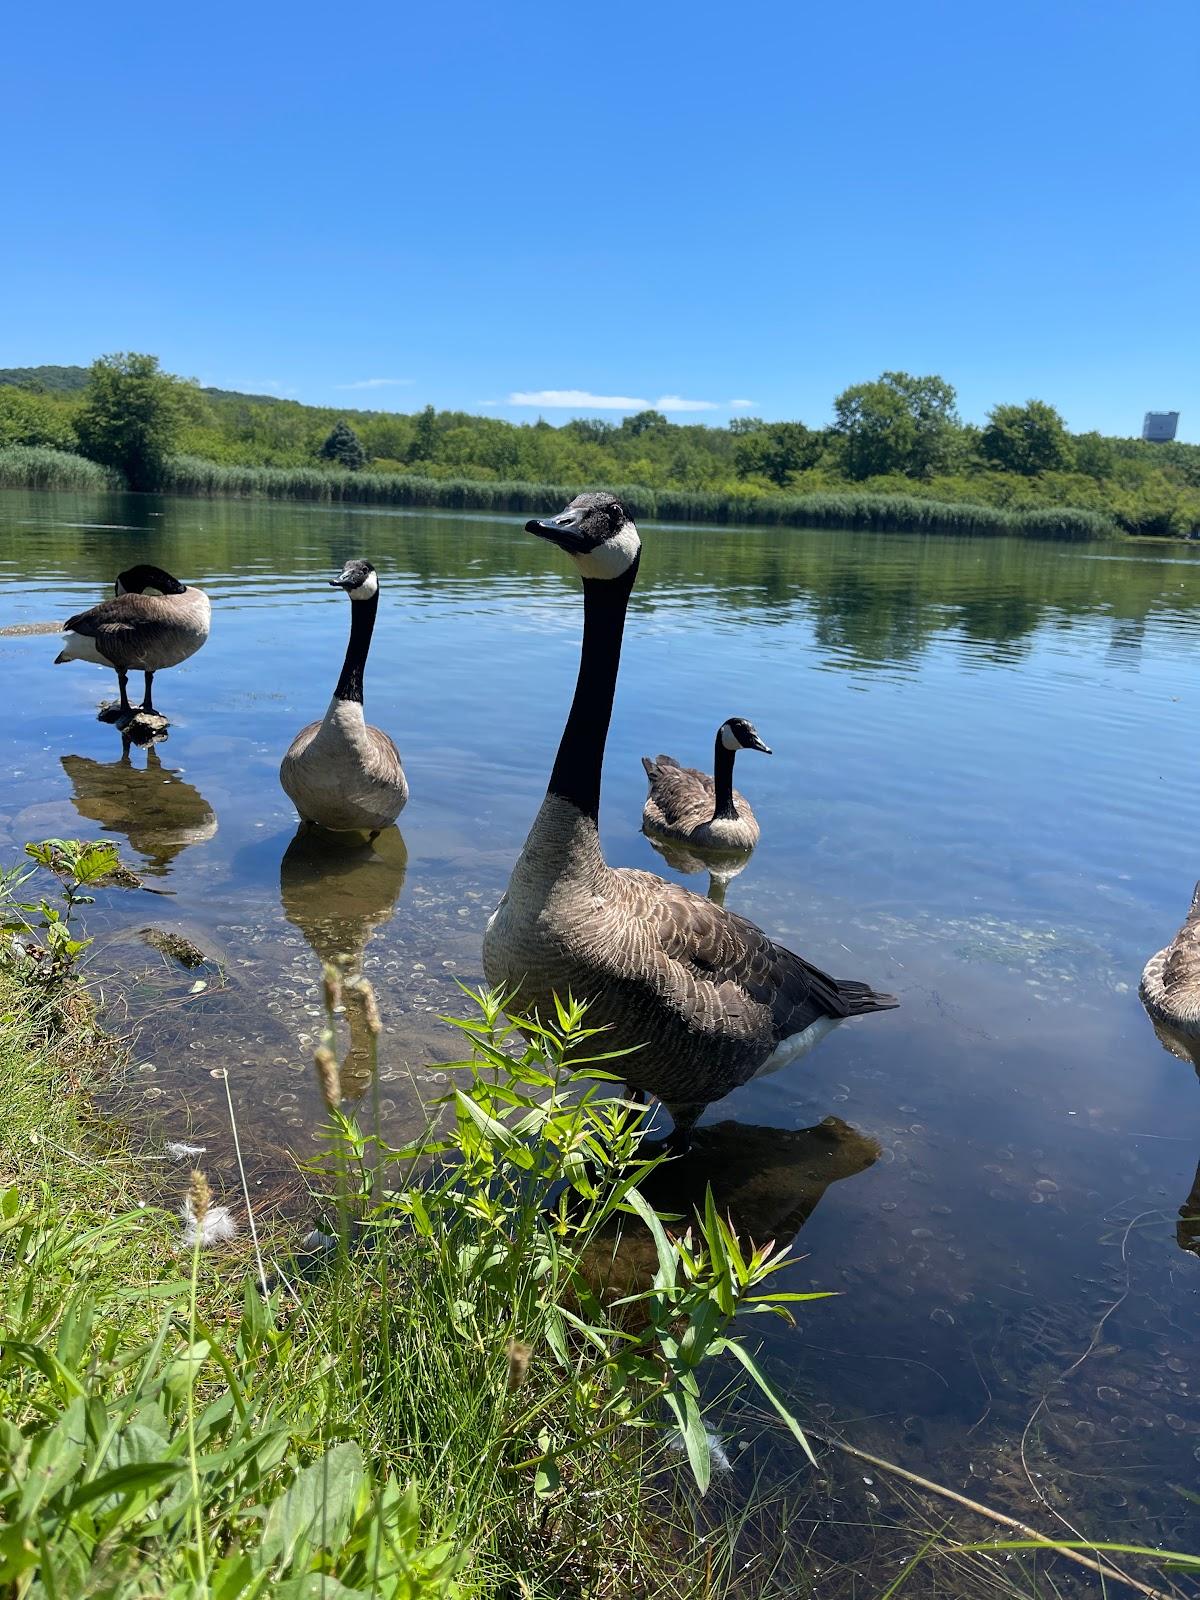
(27, 468)
(31, 467)
(190, 475)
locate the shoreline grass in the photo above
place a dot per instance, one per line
(35, 467)
(192, 476)
(440, 1413)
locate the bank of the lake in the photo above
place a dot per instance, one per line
(371, 1425)
(32, 468)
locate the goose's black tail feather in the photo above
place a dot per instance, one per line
(859, 998)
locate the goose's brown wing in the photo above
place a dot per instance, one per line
(732, 967)
(684, 797)
(1181, 969)
(123, 628)
(385, 758)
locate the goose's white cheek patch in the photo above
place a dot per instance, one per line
(367, 589)
(611, 559)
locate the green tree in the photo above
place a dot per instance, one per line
(132, 415)
(899, 423)
(33, 418)
(644, 422)
(424, 445)
(776, 451)
(1094, 454)
(1028, 439)
(343, 447)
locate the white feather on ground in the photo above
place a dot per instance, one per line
(219, 1225)
(178, 1151)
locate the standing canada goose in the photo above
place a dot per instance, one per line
(686, 806)
(709, 998)
(139, 632)
(1170, 986)
(342, 773)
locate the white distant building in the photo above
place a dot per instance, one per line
(1159, 426)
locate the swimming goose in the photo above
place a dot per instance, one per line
(341, 772)
(709, 997)
(139, 632)
(1170, 986)
(688, 807)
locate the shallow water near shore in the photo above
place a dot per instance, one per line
(982, 797)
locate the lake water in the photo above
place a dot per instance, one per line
(983, 797)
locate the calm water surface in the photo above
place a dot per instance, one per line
(983, 797)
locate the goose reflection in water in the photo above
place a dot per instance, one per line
(337, 890)
(722, 866)
(766, 1181)
(1187, 1048)
(156, 809)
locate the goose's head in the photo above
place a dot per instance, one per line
(597, 533)
(738, 734)
(139, 579)
(359, 579)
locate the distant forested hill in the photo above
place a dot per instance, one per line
(51, 380)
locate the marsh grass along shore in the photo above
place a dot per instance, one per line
(31, 468)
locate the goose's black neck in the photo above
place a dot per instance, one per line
(723, 780)
(580, 759)
(362, 625)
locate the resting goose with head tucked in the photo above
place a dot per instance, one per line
(709, 998)
(341, 773)
(1170, 986)
(686, 806)
(137, 631)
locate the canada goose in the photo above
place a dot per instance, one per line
(709, 997)
(341, 772)
(688, 807)
(139, 632)
(1170, 986)
(158, 811)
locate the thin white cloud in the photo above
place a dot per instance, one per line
(674, 402)
(374, 383)
(742, 405)
(576, 399)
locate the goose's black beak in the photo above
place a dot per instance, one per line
(757, 744)
(341, 583)
(565, 531)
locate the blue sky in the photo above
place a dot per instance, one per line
(705, 207)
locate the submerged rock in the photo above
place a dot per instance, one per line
(175, 945)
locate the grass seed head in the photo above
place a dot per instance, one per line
(518, 1362)
(199, 1197)
(328, 1077)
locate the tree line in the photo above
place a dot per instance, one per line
(899, 434)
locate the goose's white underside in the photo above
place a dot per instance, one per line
(798, 1046)
(81, 647)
